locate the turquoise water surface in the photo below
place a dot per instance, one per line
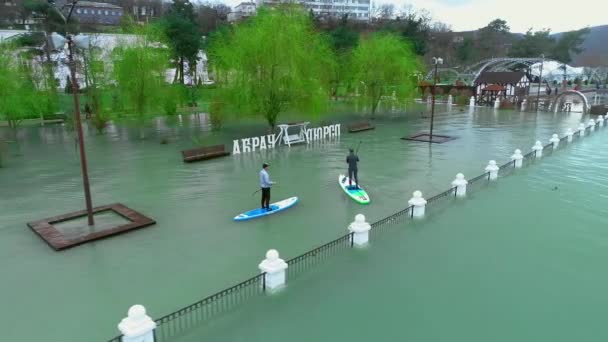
(520, 260)
(196, 248)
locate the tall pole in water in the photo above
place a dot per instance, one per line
(436, 61)
(540, 81)
(77, 121)
(83, 156)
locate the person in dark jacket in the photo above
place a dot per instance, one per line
(352, 159)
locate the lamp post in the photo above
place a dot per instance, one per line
(540, 80)
(436, 62)
(76, 41)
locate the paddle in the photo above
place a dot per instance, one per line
(258, 190)
(357, 149)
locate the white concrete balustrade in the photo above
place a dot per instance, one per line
(275, 269)
(360, 229)
(419, 204)
(492, 168)
(137, 326)
(461, 185)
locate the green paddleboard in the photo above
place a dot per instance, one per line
(354, 192)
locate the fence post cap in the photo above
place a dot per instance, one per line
(492, 166)
(459, 181)
(272, 263)
(554, 138)
(581, 127)
(600, 118)
(517, 155)
(537, 146)
(137, 322)
(569, 131)
(359, 225)
(417, 199)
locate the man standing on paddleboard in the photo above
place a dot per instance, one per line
(352, 159)
(265, 184)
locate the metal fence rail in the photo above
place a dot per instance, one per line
(304, 261)
(223, 301)
(176, 322)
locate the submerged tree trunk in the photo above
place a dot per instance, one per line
(176, 75)
(181, 70)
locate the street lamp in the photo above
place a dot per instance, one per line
(80, 41)
(540, 81)
(436, 62)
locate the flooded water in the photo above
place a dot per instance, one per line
(196, 248)
(522, 260)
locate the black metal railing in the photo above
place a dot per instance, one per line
(304, 261)
(176, 322)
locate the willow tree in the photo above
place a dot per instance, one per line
(19, 99)
(273, 63)
(139, 71)
(384, 63)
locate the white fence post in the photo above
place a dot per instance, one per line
(518, 157)
(581, 129)
(360, 230)
(137, 326)
(274, 267)
(569, 134)
(538, 149)
(492, 168)
(554, 140)
(461, 185)
(418, 203)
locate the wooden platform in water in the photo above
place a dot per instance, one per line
(58, 241)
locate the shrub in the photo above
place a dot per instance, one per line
(506, 104)
(215, 115)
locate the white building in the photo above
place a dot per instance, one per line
(356, 9)
(242, 10)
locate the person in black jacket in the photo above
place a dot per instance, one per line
(352, 159)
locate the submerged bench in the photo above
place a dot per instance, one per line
(360, 127)
(204, 153)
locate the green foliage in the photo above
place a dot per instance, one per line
(569, 43)
(127, 24)
(491, 39)
(183, 35)
(384, 63)
(215, 115)
(139, 71)
(273, 63)
(414, 27)
(171, 100)
(540, 42)
(55, 22)
(343, 38)
(98, 77)
(68, 85)
(466, 52)
(533, 44)
(19, 99)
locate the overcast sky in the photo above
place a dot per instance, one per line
(464, 15)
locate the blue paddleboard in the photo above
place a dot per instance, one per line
(276, 207)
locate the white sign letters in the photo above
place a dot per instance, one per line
(264, 142)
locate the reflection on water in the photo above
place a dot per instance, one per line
(195, 248)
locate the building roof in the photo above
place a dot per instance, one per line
(509, 77)
(245, 4)
(96, 4)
